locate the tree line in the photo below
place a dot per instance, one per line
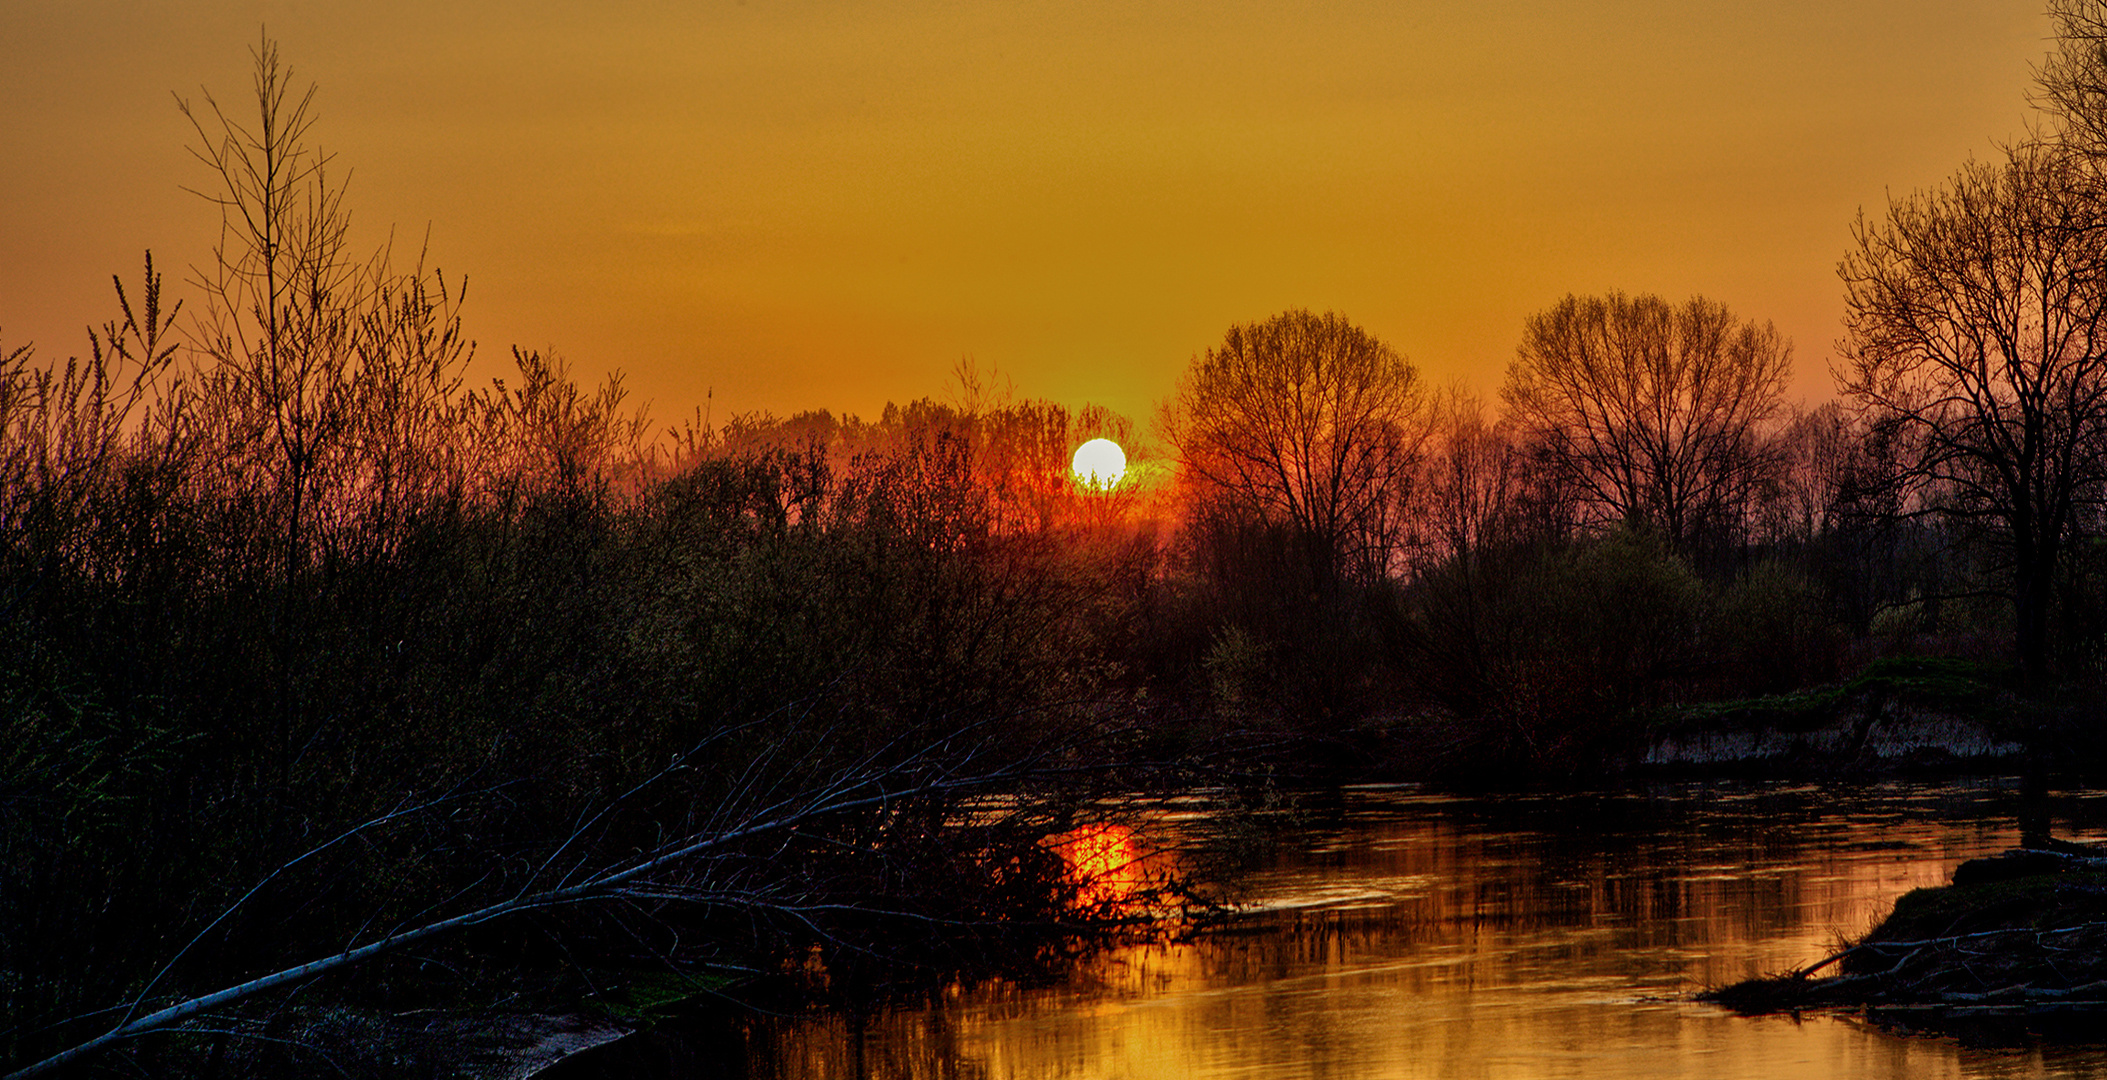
(1644, 519)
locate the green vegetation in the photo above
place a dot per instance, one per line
(1967, 688)
(646, 998)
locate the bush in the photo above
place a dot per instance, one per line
(1559, 645)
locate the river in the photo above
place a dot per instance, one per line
(1386, 932)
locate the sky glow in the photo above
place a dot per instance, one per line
(794, 205)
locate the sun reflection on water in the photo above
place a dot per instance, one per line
(1405, 936)
(1105, 863)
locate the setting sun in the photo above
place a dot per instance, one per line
(1099, 464)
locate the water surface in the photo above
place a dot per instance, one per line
(1390, 933)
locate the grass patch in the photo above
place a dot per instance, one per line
(1976, 691)
(2036, 902)
(648, 998)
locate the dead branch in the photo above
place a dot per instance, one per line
(846, 791)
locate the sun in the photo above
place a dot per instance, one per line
(1099, 464)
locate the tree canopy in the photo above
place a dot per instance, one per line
(1307, 422)
(1977, 335)
(1649, 410)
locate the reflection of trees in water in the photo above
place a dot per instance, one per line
(1502, 924)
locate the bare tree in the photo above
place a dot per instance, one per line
(330, 377)
(2072, 82)
(1650, 411)
(1977, 334)
(1310, 423)
(1819, 452)
(1472, 481)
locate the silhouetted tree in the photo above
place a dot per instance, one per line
(1819, 452)
(1472, 482)
(2073, 80)
(1649, 411)
(297, 333)
(1309, 424)
(1977, 338)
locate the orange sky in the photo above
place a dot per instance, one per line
(805, 204)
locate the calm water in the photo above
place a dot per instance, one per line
(1397, 934)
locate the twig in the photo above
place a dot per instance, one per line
(1919, 945)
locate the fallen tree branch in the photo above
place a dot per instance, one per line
(837, 796)
(1954, 940)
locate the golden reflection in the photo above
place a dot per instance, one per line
(1490, 939)
(1104, 863)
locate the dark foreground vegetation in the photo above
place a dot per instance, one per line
(335, 686)
(2015, 947)
(317, 664)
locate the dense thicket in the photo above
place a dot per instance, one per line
(504, 679)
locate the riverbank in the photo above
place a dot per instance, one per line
(1898, 712)
(2015, 946)
(1408, 888)
(1911, 715)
